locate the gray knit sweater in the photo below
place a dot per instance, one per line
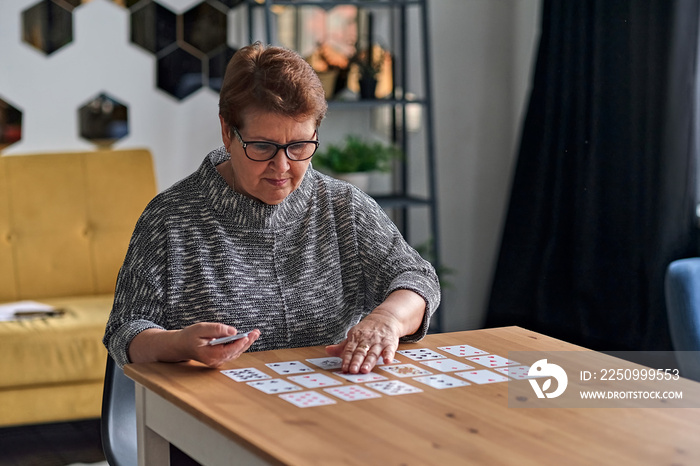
(303, 272)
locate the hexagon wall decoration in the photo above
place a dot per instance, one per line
(103, 120)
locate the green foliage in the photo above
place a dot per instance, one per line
(357, 155)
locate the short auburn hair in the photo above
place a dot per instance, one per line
(271, 79)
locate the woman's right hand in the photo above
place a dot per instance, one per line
(196, 338)
(190, 343)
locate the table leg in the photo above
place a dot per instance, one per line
(153, 450)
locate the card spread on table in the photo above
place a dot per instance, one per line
(394, 387)
(493, 360)
(352, 392)
(314, 380)
(327, 363)
(274, 386)
(517, 372)
(483, 376)
(447, 365)
(307, 399)
(462, 350)
(421, 354)
(441, 381)
(360, 378)
(405, 370)
(245, 374)
(289, 367)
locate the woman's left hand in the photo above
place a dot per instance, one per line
(376, 335)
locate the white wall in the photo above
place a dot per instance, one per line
(482, 55)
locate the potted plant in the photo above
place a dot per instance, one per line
(368, 65)
(355, 159)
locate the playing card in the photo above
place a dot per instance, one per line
(307, 399)
(246, 374)
(517, 372)
(314, 380)
(462, 350)
(405, 370)
(360, 378)
(289, 367)
(394, 387)
(441, 381)
(493, 360)
(421, 354)
(274, 386)
(327, 363)
(447, 365)
(352, 392)
(482, 376)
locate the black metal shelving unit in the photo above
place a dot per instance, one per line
(401, 200)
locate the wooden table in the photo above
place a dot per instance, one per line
(219, 421)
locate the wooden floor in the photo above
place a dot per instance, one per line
(52, 444)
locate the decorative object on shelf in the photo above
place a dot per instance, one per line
(331, 65)
(370, 70)
(356, 159)
(369, 66)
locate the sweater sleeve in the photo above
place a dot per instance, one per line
(389, 263)
(139, 301)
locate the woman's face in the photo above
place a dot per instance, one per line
(273, 180)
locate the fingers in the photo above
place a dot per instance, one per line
(365, 361)
(215, 356)
(388, 354)
(361, 357)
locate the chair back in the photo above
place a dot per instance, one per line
(118, 423)
(682, 288)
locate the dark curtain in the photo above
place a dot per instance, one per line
(604, 188)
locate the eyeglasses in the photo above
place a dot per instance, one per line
(262, 151)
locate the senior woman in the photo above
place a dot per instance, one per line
(256, 240)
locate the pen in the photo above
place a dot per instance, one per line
(32, 313)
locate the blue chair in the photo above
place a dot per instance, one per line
(683, 306)
(118, 423)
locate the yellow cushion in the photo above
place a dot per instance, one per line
(50, 403)
(66, 220)
(56, 350)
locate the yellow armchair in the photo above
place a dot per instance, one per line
(65, 224)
